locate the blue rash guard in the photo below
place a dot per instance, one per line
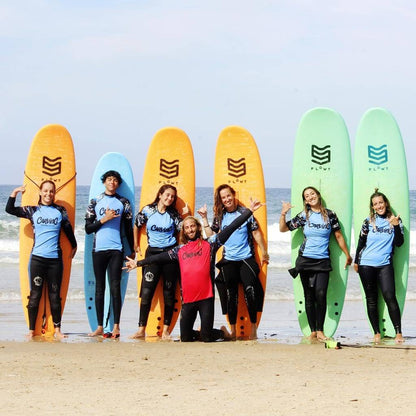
(161, 228)
(240, 245)
(108, 235)
(316, 232)
(47, 221)
(376, 243)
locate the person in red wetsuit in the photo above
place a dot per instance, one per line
(196, 258)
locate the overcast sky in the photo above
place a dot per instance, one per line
(115, 72)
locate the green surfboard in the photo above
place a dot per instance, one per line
(322, 158)
(380, 162)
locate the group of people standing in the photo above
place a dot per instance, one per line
(178, 252)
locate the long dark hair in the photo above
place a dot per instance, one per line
(218, 205)
(41, 186)
(307, 207)
(163, 189)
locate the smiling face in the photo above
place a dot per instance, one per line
(311, 198)
(111, 184)
(379, 205)
(167, 197)
(190, 228)
(228, 200)
(47, 193)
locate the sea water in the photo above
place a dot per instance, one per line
(279, 316)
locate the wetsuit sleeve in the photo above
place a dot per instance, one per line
(296, 222)
(165, 257)
(225, 234)
(91, 224)
(215, 227)
(333, 219)
(20, 212)
(128, 229)
(362, 241)
(398, 234)
(67, 228)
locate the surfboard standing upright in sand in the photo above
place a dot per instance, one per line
(170, 161)
(322, 158)
(380, 162)
(51, 157)
(238, 164)
(118, 162)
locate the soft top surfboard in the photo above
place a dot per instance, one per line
(238, 164)
(322, 158)
(118, 162)
(51, 157)
(380, 162)
(169, 160)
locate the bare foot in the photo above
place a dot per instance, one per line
(377, 338)
(399, 339)
(140, 334)
(227, 335)
(165, 333)
(59, 335)
(99, 331)
(116, 331)
(253, 332)
(321, 336)
(312, 336)
(31, 334)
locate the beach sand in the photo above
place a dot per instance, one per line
(242, 378)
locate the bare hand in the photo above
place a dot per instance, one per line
(348, 262)
(394, 220)
(286, 207)
(356, 267)
(185, 209)
(130, 264)
(17, 190)
(203, 212)
(109, 215)
(255, 204)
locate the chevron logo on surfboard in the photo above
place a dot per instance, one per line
(377, 155)
(321, 155)
(168, 169)
(237, 168)
(51, 167)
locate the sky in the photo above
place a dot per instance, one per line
(115, 72)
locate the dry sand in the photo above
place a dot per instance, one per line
(234, 378)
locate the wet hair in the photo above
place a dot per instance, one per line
(218, 205)
(183, 239)
(161, 190)
(307, 207)
(112, 173)
(44, 183)
(375, 194)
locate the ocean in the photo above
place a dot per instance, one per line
(279, 316)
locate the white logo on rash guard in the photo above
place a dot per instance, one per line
(37, 281)
(149, 276)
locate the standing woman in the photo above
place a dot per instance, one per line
(380, 233)
(106, 216)
(313, 262)
(162, 222)
(238, 263)
(47, 219)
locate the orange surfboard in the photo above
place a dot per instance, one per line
(170, 160)
(51, 157)
(238, 164)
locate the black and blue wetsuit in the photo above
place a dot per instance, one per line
(46, 258)
(108, 248)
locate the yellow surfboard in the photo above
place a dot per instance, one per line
(238, 164)
(170, 160)
(51, 157)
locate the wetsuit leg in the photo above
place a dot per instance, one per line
(388, 289)
(368, 277)
(170, 274)
(54, 281)
(150, 279)
(187, 320)
(231, 273)
(100, 261)
(37, 277)
(309, 293)
(114, 274)
(321, 288)
(206, 313)
(248, 275)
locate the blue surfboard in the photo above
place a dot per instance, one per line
(109, 161)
